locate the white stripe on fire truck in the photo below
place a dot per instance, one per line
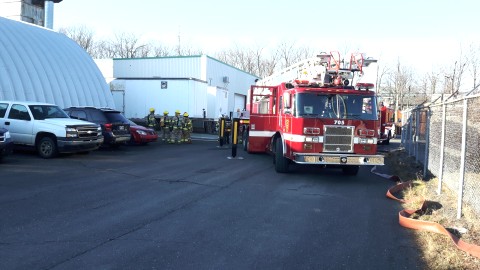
(268, 134)
(295, 137)
(299, 138)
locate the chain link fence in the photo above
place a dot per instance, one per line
(445, 138)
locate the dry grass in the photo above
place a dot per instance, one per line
(438, 251)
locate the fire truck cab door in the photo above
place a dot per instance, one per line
(285, 112)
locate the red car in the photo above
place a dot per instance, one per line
(141, 134)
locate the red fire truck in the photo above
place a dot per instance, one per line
(387, 126)
(315, 115)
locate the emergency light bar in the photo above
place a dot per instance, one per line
(364, 86)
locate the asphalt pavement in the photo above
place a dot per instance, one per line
(192, 206)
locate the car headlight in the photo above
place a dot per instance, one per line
(7, 135)
(71, 132)
(141, 132)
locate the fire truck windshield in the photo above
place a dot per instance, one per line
(335, 106)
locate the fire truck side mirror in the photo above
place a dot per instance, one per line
(287, 101)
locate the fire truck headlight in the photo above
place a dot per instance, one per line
(311, 130)
(367, 141)
(312, 139)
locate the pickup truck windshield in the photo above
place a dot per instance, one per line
(335, 106)
(42, 112)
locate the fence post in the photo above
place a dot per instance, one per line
(403, 132)
(427, 143)
(410, 134)
(442, 145)
(462, 159)
(417, 133)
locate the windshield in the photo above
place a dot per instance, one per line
(42, 112)
(335, 106)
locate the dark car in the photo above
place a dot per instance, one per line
(141, 134)
(6, 143)
(115, 127)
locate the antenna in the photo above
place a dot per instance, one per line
(179, 42)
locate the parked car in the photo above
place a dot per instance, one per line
(115, 127)
(6, 143)
(141, 134)
(48, 128)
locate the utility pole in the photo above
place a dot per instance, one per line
(453, 78)
(179, 43)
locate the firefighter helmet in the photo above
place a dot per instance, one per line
(177, 111)
(185, 114)
(152, 110)
(165, 112)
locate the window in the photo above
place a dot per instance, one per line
(3, 109)
(19, 112)
(78, 115)
(42, 112)
(335, 106)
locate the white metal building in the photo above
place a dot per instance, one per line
(186, 83)
(38, 64)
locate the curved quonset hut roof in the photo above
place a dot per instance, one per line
(37, 64)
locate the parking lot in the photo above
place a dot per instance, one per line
(166, 206)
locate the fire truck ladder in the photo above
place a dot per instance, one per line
(325, 69)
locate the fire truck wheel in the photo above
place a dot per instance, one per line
(350, 170)
(281, 162)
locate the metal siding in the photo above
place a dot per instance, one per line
(239, 81)
(166, 67)
(38, 64)
(184, 95)
(201, 68)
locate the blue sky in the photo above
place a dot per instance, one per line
(423, 34)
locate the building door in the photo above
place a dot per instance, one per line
(119, 100)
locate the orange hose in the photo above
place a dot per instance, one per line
(405, 220)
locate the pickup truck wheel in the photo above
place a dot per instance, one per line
(47, 148)
(350, 169)
(281, 162)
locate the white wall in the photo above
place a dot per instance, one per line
(239, 81)
(158, 67)
(141, 95)
(194, 83)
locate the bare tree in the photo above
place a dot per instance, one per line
(289, 54)
(401, 86)
(82, 35)
(159, 50)
(126, 45)
(382, 72)
(104, 49)
(474, 63)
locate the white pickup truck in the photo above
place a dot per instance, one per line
(48, 128)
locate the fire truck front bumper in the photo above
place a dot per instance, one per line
(338, 159)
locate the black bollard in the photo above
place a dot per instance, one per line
(235, 136)
(221, 131)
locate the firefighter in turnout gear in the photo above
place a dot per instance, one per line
(165, 124)
(150, 119)
(187, 129)
(176, 128)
